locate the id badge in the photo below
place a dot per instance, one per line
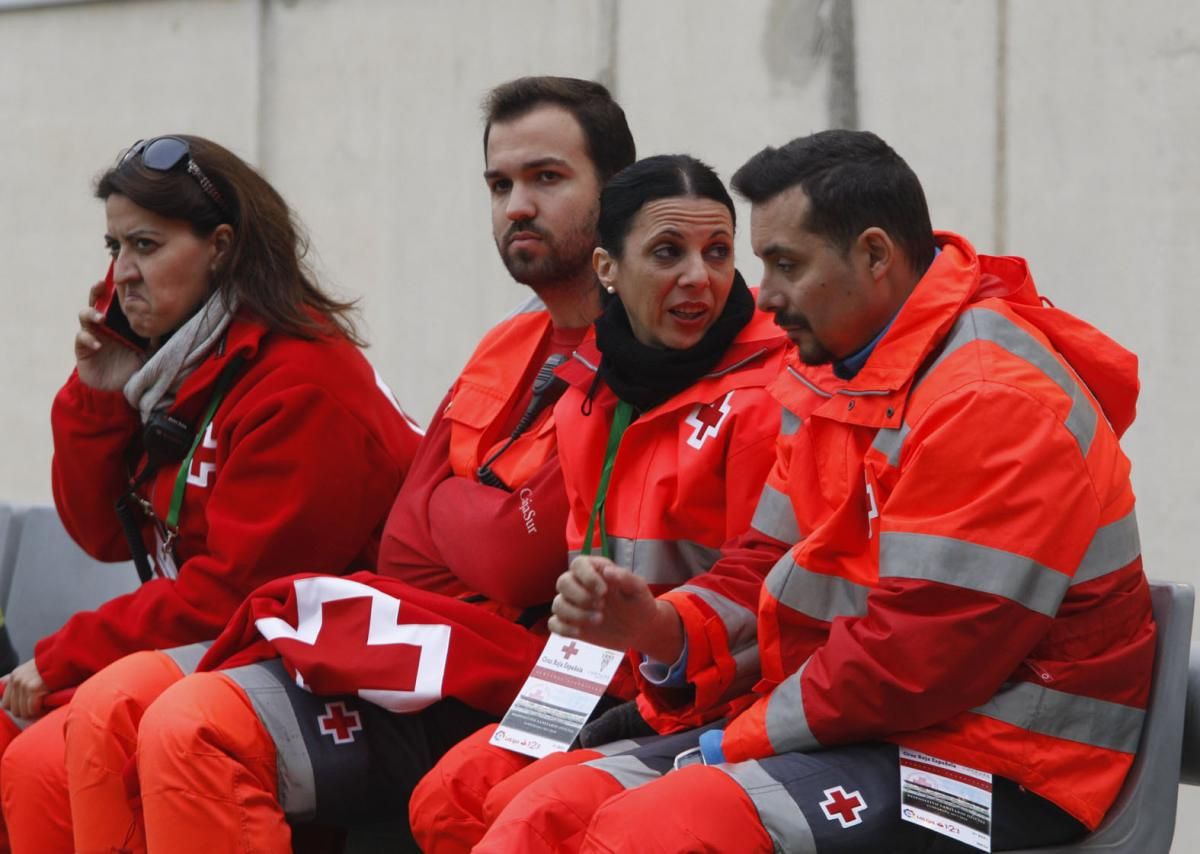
(164, 556)
(557, 698)
(947, 798)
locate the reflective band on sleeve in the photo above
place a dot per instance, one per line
(774, 516)
(1099, 723)
(297, 785)
(789, 422)
(1114, 547)
(972, 567)
(187, 657)
(890, 442)
(787, 723)
(626, 769)
(780, 815)
(663, 561)
(741, 624)
(747, 670)
(982, 324)
(821, 597)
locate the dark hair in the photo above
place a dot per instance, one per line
(265, 267)
(663, 176)
(609, 142)
(854, 181)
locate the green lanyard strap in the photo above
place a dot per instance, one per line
(622, 418)
(223, 382)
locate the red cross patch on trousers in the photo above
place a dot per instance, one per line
(339, 722)
(843, 806)
(706, 420)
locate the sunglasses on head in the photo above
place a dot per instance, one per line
(164, 153)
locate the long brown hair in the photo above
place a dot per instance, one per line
(265, 267)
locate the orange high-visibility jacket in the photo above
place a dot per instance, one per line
(967, 579)
(687, 473)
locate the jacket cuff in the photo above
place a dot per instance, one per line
(83, 398)
(55, 671)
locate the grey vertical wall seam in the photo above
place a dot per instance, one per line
(843, 74)
(1000, 174)
(260, 85)
(610, 19)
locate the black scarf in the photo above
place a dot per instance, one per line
(647, 376)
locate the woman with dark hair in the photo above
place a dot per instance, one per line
(665, 436)
(220, 401)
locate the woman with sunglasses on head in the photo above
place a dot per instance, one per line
(221, 402)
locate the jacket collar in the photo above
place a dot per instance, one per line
(243, 337)
(746, 362)
(875, 396)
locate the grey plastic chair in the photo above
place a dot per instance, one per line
(1142, 821)
(52, 578)
(1189, 771)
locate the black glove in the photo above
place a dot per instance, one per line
(619, 722)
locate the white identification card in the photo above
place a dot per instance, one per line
(557, 698)
(164, 560)
(947, 798)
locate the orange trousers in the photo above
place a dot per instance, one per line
(583, 809)
(33, 786)
(204, 775)
(144, 759)
(455, 803)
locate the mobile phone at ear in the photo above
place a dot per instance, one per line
(115, 325)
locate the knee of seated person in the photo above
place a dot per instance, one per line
(115, 681)
(25, 758)
(193, 711)
(693, 809)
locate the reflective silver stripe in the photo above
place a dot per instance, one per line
(626, 769)
(789, 422)
(890, 442)
(741, 624)
(820, 392)
(534, 303)
(585, 362)
(821, 597)
(774, 516)
(663, 561)
(187, 657)
(615, 747)
(1099, 723)
(747, 670)
(297, 786)
(737, 364)
(780, 815)
(1115, 546)
(982, 324)
(660, 561)
(787, 723)
(972, 567)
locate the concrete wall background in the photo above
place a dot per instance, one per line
(1062, 131)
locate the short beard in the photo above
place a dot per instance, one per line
(567, 259)
(813, 355)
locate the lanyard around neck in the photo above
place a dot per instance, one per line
(223, 381)
(622, 418)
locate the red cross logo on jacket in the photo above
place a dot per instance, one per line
(339, 722)
(706, 420)
(844, 806)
